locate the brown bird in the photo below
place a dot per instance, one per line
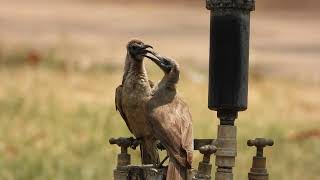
(131, 97)
(170, 119)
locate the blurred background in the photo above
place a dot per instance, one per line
(60, 62)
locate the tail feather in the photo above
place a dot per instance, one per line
(149, 152)
(176, 171)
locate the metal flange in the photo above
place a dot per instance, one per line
(231, 4)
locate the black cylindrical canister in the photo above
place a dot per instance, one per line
(229, 54)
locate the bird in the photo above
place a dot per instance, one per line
(132, 95)
(170, 119)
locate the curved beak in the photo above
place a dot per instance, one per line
(146, 46)
(159, 60)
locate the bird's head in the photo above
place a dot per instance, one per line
(137, 49)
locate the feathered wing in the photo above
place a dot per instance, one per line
(118, 103)
(172, 124)
(149, 153)
(187, 133)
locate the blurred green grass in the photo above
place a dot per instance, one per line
(56, 119)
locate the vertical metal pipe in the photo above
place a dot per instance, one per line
(229, 54)
(228, 74)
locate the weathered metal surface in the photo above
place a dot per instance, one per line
(124, 159)
(258, 170)
(229, 61)
(125, 142)
(207, 148)
(229, 54)
(126, 171)
(207, 151)
(233, 4)
(145, 172)
(224, 174)
(227, 146)
(228, 74)
(204, 168)
(198, 143)
(260, 143)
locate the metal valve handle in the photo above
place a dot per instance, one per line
(125, 143)
(259, 170)
(207, 151)
(260, 143)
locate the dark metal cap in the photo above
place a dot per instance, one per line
(231, 4)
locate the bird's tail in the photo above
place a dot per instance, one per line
(149, 152)
(176, 171)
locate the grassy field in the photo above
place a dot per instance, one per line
(56, 120)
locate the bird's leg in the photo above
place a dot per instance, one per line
(162, 162)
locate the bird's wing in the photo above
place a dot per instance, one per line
(118, 103)
(172, 125)
(187, 132)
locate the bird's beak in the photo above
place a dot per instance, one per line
(146, 46)
(159, 60)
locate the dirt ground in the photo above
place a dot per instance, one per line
(284, 43)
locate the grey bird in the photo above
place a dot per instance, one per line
(131, 97)
(170, 119)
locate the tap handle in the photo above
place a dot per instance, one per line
(207, 151)
(125, 143)
(260, 143)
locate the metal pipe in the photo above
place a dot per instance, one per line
(228, 74)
